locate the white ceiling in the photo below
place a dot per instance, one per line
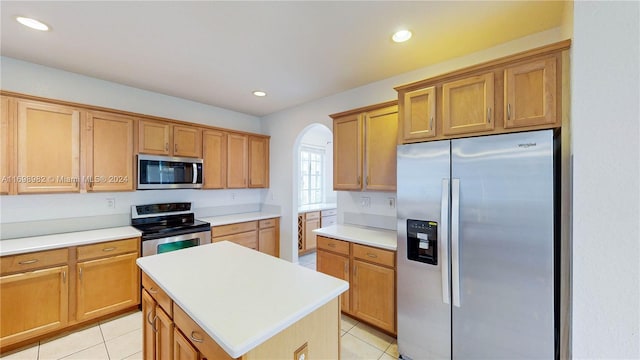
(217, 53)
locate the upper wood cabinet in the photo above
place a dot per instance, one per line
(519, 92)
(7, 137)
(419, 114)
(214, 154)
(364, 142)
(237, 160)
(468, 105)
(48, 147)
(163, 138)
(258, 162)
(108, 152)
(530, 93)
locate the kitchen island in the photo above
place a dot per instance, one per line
(225, 301)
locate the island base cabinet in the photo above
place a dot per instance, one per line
(336, 266)
(182, 348)
(157, 330)
(33, 303)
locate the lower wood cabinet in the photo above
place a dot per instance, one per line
(262, 235)
(307, 222)
(39, 294)
(371, 273)
(182, 348)
(33, 303)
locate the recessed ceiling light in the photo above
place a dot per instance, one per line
(401, 36)
(259, 93)
(32, 23)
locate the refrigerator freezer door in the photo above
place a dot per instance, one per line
(506, 232)
(424, 310)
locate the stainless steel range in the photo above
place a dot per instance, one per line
(168, 227)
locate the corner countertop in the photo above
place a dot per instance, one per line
(381, 238)
(56, 241)
(246, 297)
(316, 207)
(237, 218)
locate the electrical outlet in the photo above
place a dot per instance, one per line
(392, 202)
(111, 203)
(365, 201)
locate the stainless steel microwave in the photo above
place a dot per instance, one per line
(164, 172)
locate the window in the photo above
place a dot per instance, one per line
(311, 175)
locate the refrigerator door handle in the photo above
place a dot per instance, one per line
(455, 240)
(444, 239)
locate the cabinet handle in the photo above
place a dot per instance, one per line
(372, 255)
(355, 270)
(149, 320)
(64, 276)
(508, 111)
(91, 184)
(153, 324)
(489, 115)
(80, 274)
(27, 262)
(358, 179)
(166, 146)
(431, 124)
(198, 340)
(345, 269)
(152, 290)
(175, 147)
(332, 245)
(366, 181)
(109, 249)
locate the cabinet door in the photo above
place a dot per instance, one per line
(6, 146)
(48, 148)
(33, 303)
(268, 241)
(467, 105)
(419, 114)
(336, 266)
(373, 291)
(530, 94)
(309, 235)
(164, 335)
(258, 162)
(381, 139)
(106, 285)
(108, 152)
(214, 151)
(237, 161)
(187, 141)
(148, 326)
(154, 137)
(182, 348)
(347, 153)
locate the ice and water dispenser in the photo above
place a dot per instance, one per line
(422, 241)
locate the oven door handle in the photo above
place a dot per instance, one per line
(195, 173)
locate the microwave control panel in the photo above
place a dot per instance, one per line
(422, 241)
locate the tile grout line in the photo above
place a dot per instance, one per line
(104, 341)
(365, 340)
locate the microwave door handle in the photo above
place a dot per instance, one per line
(195, 173)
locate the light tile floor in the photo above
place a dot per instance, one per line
(121, 338)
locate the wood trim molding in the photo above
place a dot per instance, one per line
(122, 112)
(365, 109)
(489, 65)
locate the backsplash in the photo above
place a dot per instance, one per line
(375, 209)
(34, 215)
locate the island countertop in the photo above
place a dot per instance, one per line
(238, 296)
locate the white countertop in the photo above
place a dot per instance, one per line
(48, 242)
(237, 218)
(384, 239)
(240, 297)
(316, 207)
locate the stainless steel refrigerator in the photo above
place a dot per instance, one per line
(476, 248)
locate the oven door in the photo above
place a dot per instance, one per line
(163, 172)
(172, 243)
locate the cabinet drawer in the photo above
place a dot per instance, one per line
(374, 255)
(157, 293)
(329, 212)
(247, 239)
(109, 248)
(312, 215)
(233, 228)
(329, 244)
(35, 260)
(192, 331)
(268, 223)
